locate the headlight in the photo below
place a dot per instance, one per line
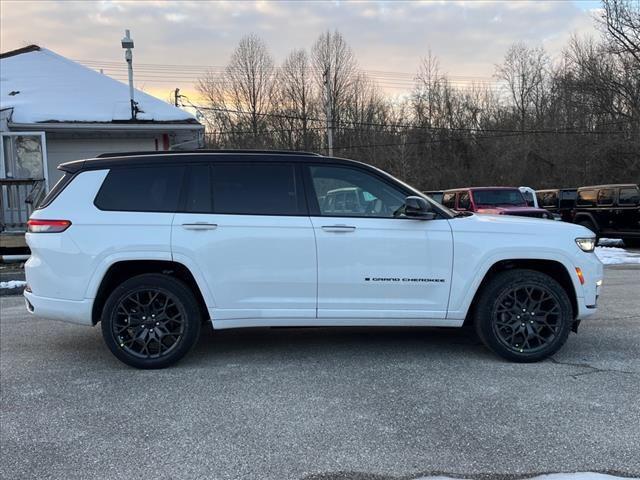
(586, 244)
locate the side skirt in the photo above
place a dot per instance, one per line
(334, 322)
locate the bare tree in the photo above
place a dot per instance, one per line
(297, 100)
(621, 21)
(524, 71)
(331, 54)
(244, 90)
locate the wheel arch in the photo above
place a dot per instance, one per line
(554, 268)
(586, 216)
(122, 270)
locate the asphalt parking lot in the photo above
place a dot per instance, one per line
(322, 403)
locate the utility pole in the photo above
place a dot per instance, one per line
(176, 94)
(127, 44)
(329, 108)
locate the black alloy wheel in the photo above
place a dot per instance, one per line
(148, 323)
(523, 315)
(527, 319)
(151, 321)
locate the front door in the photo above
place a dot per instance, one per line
(245, 229)
(372, 264)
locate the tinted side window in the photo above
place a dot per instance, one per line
(586, 198)
(56, 190)
(197, 195)
(549, 199)
(568, 198)
(605, 196)
(629, 196)
(141, 189)
(449, 200)
(256, 189)
(464, 202)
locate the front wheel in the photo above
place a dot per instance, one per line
(523, 315)
(151, 321)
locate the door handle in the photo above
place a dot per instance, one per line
(200, 226)
(338, 228)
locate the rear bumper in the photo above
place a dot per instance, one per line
(72, 311)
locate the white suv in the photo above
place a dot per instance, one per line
(153, 245)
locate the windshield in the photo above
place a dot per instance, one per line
(500, 197)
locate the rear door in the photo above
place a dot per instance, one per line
(372, 264)
(245, 228)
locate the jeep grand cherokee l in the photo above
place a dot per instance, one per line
(152, 246)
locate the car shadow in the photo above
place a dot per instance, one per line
(316, 343)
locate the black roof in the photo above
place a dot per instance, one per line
(110, 160)
(171, 152)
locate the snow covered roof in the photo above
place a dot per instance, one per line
(42, 86)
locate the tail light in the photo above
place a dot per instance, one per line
(47, 226)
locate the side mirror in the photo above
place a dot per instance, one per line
(418, 207)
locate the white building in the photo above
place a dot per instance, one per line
(53, 110)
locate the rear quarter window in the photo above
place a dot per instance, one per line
(56, 190)
(629, 196)
(141, 189)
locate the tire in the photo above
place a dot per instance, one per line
(151, 321)
(631, 242)
(506, 322)
(589, 224)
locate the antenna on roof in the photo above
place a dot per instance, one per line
(127, 44)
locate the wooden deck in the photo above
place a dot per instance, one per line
(18, 199)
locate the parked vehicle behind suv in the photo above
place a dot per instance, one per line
(435, 195)
(611, 211)
(492, 200)
(559, 202)
(152, 246)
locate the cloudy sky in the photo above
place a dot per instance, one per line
(469, 37)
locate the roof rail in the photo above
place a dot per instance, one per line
(181, 152)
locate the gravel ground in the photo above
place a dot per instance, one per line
(322, 403)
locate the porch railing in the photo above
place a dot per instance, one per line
(18, 198)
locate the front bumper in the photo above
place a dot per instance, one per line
(72, 311)
(593, 272)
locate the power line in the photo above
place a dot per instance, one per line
(566, 130)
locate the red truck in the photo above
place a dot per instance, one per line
(492, 200)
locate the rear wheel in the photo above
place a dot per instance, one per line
(523, 315)
(151, 321)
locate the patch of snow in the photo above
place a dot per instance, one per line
(610, 242)
(13, 284)
(552, 476)
(54, 88)
(617, 256)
